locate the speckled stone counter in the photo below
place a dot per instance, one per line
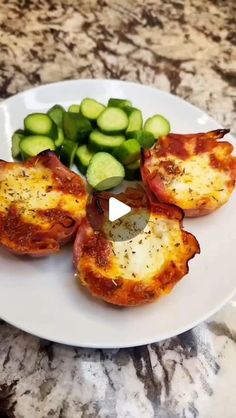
(187, 48)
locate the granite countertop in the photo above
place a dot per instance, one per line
(187, 48)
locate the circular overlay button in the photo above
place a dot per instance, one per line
(121, 217)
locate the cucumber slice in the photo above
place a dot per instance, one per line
(82, 158)
(67, 152)
(56, 114)
(15, 143)
(101, 142)
(60, 137)
(104, 171)
(135, 118)
(132, 171)
(113, 120)
(128, 152)
(91, 109)
(40, 124)
(32, 145)
(74, 108)
(113, 102)
(145, 139)
(157, 125)
(76, 126)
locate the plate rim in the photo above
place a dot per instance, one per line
(149, 341)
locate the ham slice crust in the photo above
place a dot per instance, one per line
(195, 172)
(141, 269)
(42, 204)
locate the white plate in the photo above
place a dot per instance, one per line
(42, 296)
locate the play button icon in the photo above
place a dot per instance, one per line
(119, 216)
(117, 209)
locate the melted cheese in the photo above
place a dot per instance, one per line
(29, 189)
(197, 180)
(146, 254)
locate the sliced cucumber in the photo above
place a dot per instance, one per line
(32, 145)
(67, 152)
(101, 142)
(128, 152)
(56, 114)
(104, 171)
(145, 139)
(113, 120)
(113, 102)
(40, 124)
(132, 171)
(76, 126)
(74, 108)
(91, 109)
(135, 118)
(60, 137)
(157, 125)
(15, 143)
(82, 158)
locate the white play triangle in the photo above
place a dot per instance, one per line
(117, 209)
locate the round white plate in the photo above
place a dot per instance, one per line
(42, 296)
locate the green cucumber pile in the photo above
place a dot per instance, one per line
(104, 142)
